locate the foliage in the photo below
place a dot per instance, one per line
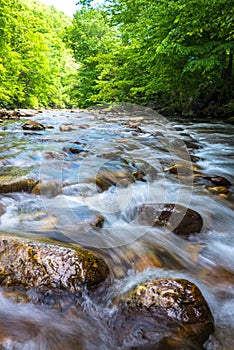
(34, 60)
(155, 51)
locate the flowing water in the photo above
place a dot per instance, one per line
(69, 158)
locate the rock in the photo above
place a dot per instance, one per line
(221, 191)
(191, 145)
(33, 125)
(10, 186)
(218, 180)
(6, 114)
(54, 155)
(47, 267)
(51, 189)
(180, 220)
(164, 314)
(71, 127)
(2, 209)
(76, 148)
(186, 169)
(119, 178)
(96, 220)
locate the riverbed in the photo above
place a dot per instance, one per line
(68, 157)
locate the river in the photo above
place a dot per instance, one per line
(79, 145)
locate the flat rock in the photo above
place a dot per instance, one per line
(48, 267)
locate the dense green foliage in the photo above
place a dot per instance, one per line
(155, 51)
(36, 68)
(172, 53)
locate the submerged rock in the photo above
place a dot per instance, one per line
(33, 125)
(164, 314)
(218, 180)
(10, 186)
(50, 189)
(119, 178)
(183, 169)
(47, 267)
(180, 220)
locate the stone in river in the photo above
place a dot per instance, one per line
(180, 220)
(48, 267)
(186, 169)
(10, 186)
(164, 314)
(218, 180)
(33, 125)
(220, 191)
(50, 189)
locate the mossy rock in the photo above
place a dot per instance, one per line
(164, 314)
(48, 267)
(22, 185)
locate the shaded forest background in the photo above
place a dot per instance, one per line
(175, 56)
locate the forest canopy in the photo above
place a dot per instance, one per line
(171, 55)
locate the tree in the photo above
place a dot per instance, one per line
(163, 51)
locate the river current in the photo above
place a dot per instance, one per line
(70, 153)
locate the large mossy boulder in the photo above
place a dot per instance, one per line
(164, 314)
(8, 185)
(47, 267)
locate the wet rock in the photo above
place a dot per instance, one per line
(180, 220)
(33, 125)
(10, 186)
(191, 145)
(218, 180)
(164, 314)
(12, 115)
(220, 191)
(96, 220)
(47, 267)
(186, 169)
(51, 189)
(71, 127)
(2, 209)
(76, 148)
(54, 155)
(119, 178)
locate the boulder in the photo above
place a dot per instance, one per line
(33, 125)
(10, 186)
(48, 267)
(180, 220)
(164, 314)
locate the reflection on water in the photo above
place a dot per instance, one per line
(123, 144)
